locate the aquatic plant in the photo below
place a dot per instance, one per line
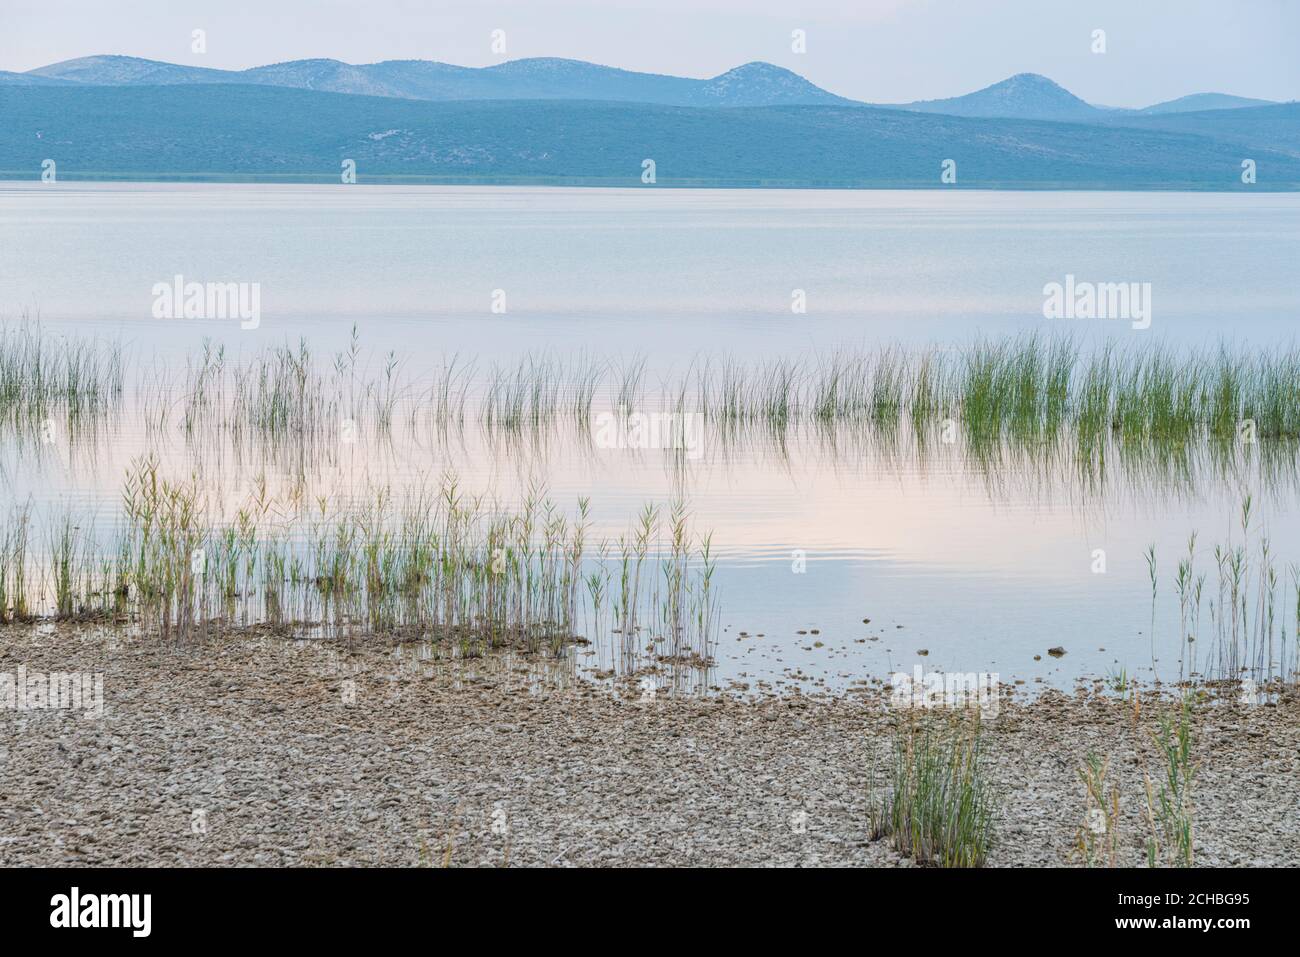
(14, 597)
(46, 380)
(433, 564)
(1027, 388)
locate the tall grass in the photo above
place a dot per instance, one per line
(1032, 408)
(1243, 624)
(1170, 811)
(1028, 388)
(14, 595)
(44, 377)
(1097, 840)
(938, 805)
(435, 565)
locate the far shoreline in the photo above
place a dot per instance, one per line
(10, 177)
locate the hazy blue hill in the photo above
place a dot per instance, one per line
(548, 78)
(27, 79)
(340, 77)
(1277, 126)
(1026, 96)
(1204, 101)
(762, 84)
(263, 132)
(554, 78)
(129, 70)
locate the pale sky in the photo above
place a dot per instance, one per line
(874, 50)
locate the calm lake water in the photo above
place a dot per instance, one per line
(982, 569)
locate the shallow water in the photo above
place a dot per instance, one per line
(981, 567)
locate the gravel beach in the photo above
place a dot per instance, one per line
(266, 751)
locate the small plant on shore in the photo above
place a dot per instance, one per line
(1169, 808)
(14, 603)
(1118, 680)
(1151, 573)
(938, 805)
(1097, 840)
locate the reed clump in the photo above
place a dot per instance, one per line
(1170, 809)
(46, 378)
(1097, 840)
(1237, 622)
(434, 564)
(936, 804)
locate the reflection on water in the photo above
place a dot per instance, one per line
(846, 548)
(866, 514)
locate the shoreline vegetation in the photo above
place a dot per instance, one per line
(181, 558)
(427, 605)
(1030, 410)
(469, 577)
(437, 566)
(1029, 387)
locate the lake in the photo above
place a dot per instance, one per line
(960, 562)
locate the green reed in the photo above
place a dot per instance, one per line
(44, 377)
(435, 564)
(15, 600)
(1245, 621)
(1170, 811)
(1028, 387)
(937, 804)
(1097, 839)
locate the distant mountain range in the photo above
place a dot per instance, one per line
(1023, 96)
(544, 78)
(1028, 96)
(564, 121)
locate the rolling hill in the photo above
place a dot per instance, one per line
(1197, 102)
(1025, 96)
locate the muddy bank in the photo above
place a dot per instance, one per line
(274, 752)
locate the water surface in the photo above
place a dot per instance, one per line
(982, 568)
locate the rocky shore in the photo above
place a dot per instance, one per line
(264, 751)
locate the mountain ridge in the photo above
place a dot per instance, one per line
(757, 83)
(750, 84)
